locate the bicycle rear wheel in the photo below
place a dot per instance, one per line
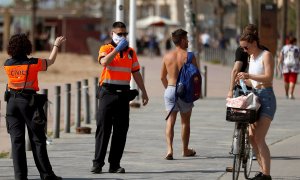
(248, 158)
(238, 156)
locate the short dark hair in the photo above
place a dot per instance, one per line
(292, 40)
(118, 24)
(178, 35)
(19, 45)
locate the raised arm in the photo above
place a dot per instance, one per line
(106, 60)
(57, 43)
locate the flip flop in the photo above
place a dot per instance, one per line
(169, 157)
(192, 152)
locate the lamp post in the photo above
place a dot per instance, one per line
(188, 16)
(132, 43)
(33, 20)
(120, 10)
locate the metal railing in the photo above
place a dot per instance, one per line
(218, 56)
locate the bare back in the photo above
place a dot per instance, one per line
(173, 61)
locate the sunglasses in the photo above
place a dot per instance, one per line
(245, 48)
(122, 34)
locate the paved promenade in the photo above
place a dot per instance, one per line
(72, 154)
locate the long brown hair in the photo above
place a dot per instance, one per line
(250, 34)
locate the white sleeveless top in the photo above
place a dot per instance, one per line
(256, 67)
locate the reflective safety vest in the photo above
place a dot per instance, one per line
(17, 70)
(119, 71)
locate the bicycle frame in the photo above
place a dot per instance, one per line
(241, 148)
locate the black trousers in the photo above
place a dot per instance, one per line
(20, 112)
(112, 115)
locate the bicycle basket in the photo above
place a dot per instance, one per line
(240, 115)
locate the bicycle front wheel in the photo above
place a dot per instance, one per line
(238, 157)
(236, 167)
(248, 158)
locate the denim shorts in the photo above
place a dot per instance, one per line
(268, 102)
(181, 106)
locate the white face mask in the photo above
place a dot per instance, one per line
(116, 38)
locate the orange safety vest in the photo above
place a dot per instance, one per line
(119, 71)
(17, 70)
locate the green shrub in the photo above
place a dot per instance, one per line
(4, 154)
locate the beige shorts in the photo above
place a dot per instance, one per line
(180, 105)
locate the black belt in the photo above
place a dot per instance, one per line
(22, 91)
(113, 90)
(27, 94)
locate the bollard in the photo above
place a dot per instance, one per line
(205, 80)
(78, 104)
(56, 122)
(96, 83)
(143, 76)
(28, 144)
(67, 108)
(86, 101)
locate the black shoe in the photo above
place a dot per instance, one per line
(52, 177)
(261, 176)
(96, 169)
(116, 170)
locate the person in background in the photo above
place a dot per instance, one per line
(119, 62)
(260, 77)
(290, 67)
(172, 63)
(240, 65)
(22, 85)
(205, 39)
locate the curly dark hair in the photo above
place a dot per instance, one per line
(19, 46)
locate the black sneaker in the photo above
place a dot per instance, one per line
(261, 176)
(96, 169)
(116, 170)
(52, 177)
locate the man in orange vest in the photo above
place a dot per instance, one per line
(119, 62)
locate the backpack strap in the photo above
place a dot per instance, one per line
(190, 57)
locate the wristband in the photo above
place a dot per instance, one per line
(56, 46)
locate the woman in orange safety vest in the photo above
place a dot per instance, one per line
(22, 85)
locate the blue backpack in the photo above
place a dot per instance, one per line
(188, 84)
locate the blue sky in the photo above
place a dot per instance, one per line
(5, 2)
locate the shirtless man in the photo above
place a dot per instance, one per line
(172, 62)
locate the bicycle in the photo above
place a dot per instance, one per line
(241, 148)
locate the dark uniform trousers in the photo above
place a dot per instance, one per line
(112, 115)
(20, 112)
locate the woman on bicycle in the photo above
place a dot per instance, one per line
(260, 77)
